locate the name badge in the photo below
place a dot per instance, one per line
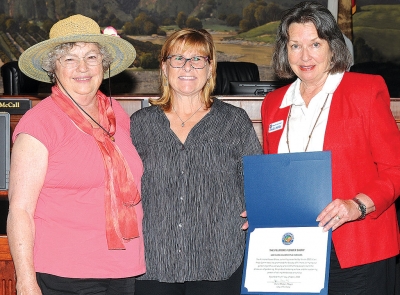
(275, 126)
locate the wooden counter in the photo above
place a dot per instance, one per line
(7, 273)
(131, 104)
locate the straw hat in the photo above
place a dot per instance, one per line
(76, 28)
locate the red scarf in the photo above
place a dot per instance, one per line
(121, 193)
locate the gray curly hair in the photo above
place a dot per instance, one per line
(49, 62)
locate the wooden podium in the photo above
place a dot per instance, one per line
(7, 273)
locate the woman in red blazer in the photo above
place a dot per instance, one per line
(329, 109)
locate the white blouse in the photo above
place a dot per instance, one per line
(301, 135)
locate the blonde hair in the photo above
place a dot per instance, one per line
(187, 39)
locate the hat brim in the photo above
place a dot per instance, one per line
(123, 53)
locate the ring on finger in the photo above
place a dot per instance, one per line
(337, 217)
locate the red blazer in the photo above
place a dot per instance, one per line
(364, 140)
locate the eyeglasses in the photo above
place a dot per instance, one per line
(73, 61)
(196, 62)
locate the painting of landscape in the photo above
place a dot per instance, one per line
(243, 30)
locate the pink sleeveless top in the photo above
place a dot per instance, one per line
(70, 238)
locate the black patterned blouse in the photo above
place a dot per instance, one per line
(192, 193)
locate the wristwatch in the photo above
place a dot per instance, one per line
(361, 207)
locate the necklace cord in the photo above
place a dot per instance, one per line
(312, 130)
(109, 84)
(98, 124)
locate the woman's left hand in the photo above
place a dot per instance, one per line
(337, 213)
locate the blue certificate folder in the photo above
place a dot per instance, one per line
(287, 190)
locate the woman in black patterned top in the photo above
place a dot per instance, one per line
(192, 146)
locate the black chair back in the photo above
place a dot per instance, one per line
(15, 82)
(388, 70)
(234, 72)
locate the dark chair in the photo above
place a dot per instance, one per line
(15, 82)
(388, 70)
(234, 72)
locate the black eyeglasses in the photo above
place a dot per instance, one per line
(196, 62)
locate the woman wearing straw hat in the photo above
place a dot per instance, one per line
(74, 223)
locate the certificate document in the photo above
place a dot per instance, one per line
(286, 251)
(286, 260)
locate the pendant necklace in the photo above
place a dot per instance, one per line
(312, 130)
(183, 122)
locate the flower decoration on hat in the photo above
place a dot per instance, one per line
(110, 31)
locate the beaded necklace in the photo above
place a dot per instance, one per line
(312, 130)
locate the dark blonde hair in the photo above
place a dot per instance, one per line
(187, 39)
(327, 29)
